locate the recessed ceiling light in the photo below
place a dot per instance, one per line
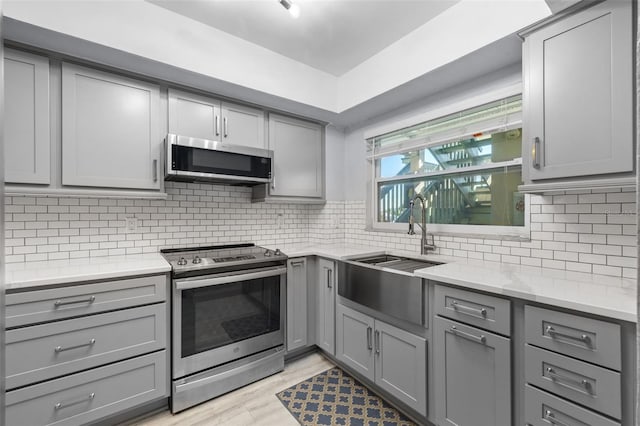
(294, 9)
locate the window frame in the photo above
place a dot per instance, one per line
(459, 230)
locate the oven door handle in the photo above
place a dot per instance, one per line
(208, 282)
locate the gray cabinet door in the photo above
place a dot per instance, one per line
(296, 303)
(401, 365)
(242, 125)
(579, 94)
(194, 115)
(26, 124)
(110, 130)
(298, 157)
(472, 376)
(325, 331)
(354, 341)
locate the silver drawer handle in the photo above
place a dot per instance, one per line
(61, 405)
(457, 305)
(559, 377)
(369, 332)
(297, 263)
(482, 339)
(73, 302)
(377, 341)
(550, 417)
(582, 338)
(68, 348)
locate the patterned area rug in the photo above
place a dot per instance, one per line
(335, 398)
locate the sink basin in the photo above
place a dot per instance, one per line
(399, 263)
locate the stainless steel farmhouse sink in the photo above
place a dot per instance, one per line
(386, 284)
(405, 264)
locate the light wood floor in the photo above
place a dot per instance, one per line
(255, 404)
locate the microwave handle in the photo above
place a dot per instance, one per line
(208, 282)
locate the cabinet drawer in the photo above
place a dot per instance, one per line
(586, 384)
(42, 352)
(31, 307)
(84, 397)
(488, 312)
(584, 338)
(541, 409)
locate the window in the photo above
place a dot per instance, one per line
(467, 166)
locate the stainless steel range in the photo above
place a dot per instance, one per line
(228, 319)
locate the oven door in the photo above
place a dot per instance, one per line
(223, 317)
(201, 159)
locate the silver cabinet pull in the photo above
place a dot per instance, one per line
(61, 405)
(456, 305)
(225, 127)
(329, 276)
(73, 302)
(272, 174)
(551, 373)
(377, 341)
(551, 418)
(155, 170)
(68, 348)
(581, 338)
(217, 125)
(369, 332)
(482, 339)
(297, 263)
(535, 153)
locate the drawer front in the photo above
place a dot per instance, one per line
(543, 409)
(37, 306)
(84, 397)
(583, 338)
(488, 312)
(42, 352)
(580, 382)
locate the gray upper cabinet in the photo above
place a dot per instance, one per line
(110, 130)
(326, 316)
(578, 95)
(26, 124)
(298, 166)
(193, 115)
(242, 125)
(203, 117)
(296, 303)
(472, 376)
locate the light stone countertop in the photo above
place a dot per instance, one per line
(21, 276)
(607, 296)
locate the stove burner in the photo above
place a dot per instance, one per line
(232, 258)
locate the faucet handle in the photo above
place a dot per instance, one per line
(411, 231)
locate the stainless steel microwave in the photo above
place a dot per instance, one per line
(192, 159)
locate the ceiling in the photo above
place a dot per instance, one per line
(330, 35)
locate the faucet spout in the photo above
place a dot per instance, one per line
(425, 246)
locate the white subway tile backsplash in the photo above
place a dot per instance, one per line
(586, 231)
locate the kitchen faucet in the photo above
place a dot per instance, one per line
(424, 245)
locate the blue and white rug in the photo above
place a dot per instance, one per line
(335, 398)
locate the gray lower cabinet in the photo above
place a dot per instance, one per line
(544, 409)
(354, 340)
(84, 351)
(296, 304)
(472, 375)
(26, 124)
(393, 359)
(84, 397)
(578, 95)
(326, 314)
(110, 130)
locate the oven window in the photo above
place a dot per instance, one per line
(218, 315)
